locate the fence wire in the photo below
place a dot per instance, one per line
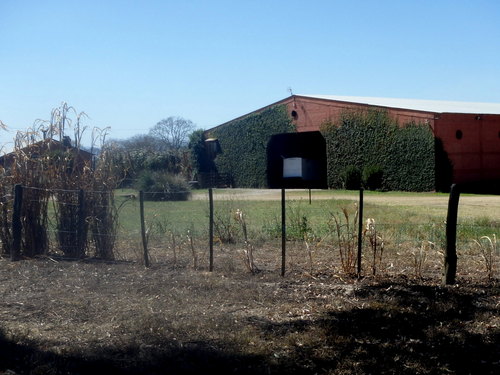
(321, 235)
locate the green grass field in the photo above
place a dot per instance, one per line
(400, 216)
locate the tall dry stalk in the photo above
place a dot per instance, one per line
(174, 246)
(248, 250)
(6, 201)
(316, 243)
(309, 252)
(36, 240)
(193, 250)
(104, 219)
(28, 167)
(5, 206)
(70, 213)
(103, 224)
(488, 247)
(344, 228)
(70, 172)
(376, 244)
(53, 167)
(420, 257)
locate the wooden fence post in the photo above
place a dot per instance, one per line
(17, 226)
(360, 230)
(283, 233)
(450, 258)
(143, 229)
(211, 228)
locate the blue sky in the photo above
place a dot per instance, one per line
(129, 64)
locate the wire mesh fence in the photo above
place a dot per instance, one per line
(244, 233)
(70, 223)
(247, 237)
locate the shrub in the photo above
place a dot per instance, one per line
(161, 186)
(225, 227)
(352, 178)
(373, 177)
(130, 163)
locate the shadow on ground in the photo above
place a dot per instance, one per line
(401, 329)
(193, 358)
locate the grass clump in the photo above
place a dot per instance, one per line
(344, 228)
(163, 186)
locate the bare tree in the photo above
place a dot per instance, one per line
(173, 132)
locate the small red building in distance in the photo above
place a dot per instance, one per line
(470, 132)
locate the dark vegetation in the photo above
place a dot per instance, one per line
(201, 159)
(364, 148)
(159, 163)
(244, 142)
(370, 148)
(158, 186)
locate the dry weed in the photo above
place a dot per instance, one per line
(488, 249)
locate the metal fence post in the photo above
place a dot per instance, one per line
(143, 229)
(360, 230)
(283, 233)
(450, 258)
(211, 228)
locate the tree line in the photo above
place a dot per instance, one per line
(163, 161)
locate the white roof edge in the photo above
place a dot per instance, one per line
(438, 106)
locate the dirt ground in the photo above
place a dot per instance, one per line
(86, 317)
(60, 316)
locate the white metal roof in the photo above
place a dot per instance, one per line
(438, 106)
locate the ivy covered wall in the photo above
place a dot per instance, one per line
(369, 142)
(243, 143)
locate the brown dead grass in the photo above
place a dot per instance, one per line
(60, 317)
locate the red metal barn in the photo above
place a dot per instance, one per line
(470, 132)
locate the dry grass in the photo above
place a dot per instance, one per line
(81, 317)
(88, 316)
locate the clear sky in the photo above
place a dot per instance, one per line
(129, 64)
